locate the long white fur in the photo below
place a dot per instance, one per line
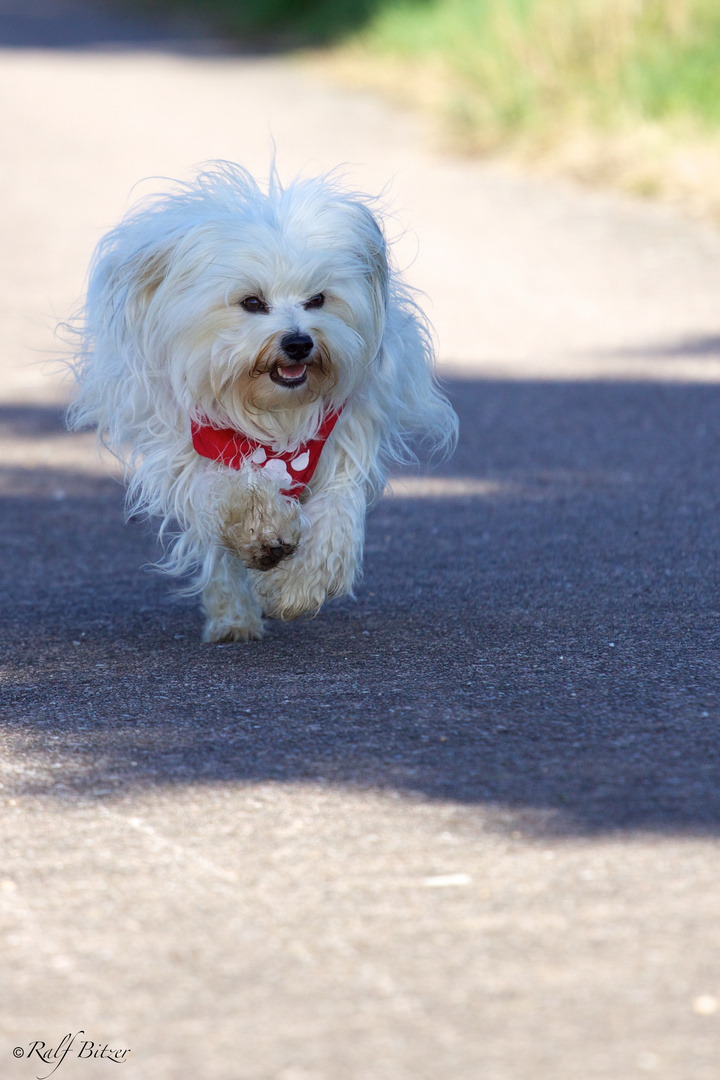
(164, 341)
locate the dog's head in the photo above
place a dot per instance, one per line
(249, 308)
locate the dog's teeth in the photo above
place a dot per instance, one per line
(295, 372)
(289, 374)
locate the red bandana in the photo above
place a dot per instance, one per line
(294, 467)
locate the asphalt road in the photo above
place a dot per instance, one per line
(465, 827)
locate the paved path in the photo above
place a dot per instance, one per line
(465, 827)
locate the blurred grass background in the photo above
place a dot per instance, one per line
(625, 92)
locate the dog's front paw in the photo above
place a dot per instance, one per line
(267, 553)
(259, 549)
(302, 586)
(287, 603)
(261, 527)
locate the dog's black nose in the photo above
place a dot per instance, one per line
(297, 346)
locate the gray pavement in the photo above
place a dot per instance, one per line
(463, 827)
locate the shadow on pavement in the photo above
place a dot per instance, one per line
(702, 347)
(102, 24)
(179, 26)
(549, 646)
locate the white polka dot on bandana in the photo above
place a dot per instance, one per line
(277, 467)
(300, 463)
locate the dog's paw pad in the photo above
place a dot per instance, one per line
(259, 553)
(271, 553)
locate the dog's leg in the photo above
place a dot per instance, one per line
(257, 527)
(327, 560)
(232, 610)
(256, 523)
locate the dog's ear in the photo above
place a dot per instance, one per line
(115, 366)
(375, 251)
(372, 251)
(148, 275)
(128, 282)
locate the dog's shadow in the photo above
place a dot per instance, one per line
(533, 630)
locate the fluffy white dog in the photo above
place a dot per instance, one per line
(256, 363)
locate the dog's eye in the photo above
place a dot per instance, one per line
(254, 305)
(315, 301)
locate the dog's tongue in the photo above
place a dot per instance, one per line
(293, 371)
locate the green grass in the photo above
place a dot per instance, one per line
(521, 65)
(516, 64)
(539, 77)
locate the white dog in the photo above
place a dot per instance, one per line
(257, 364)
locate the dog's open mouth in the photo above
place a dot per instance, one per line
(289, 374)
